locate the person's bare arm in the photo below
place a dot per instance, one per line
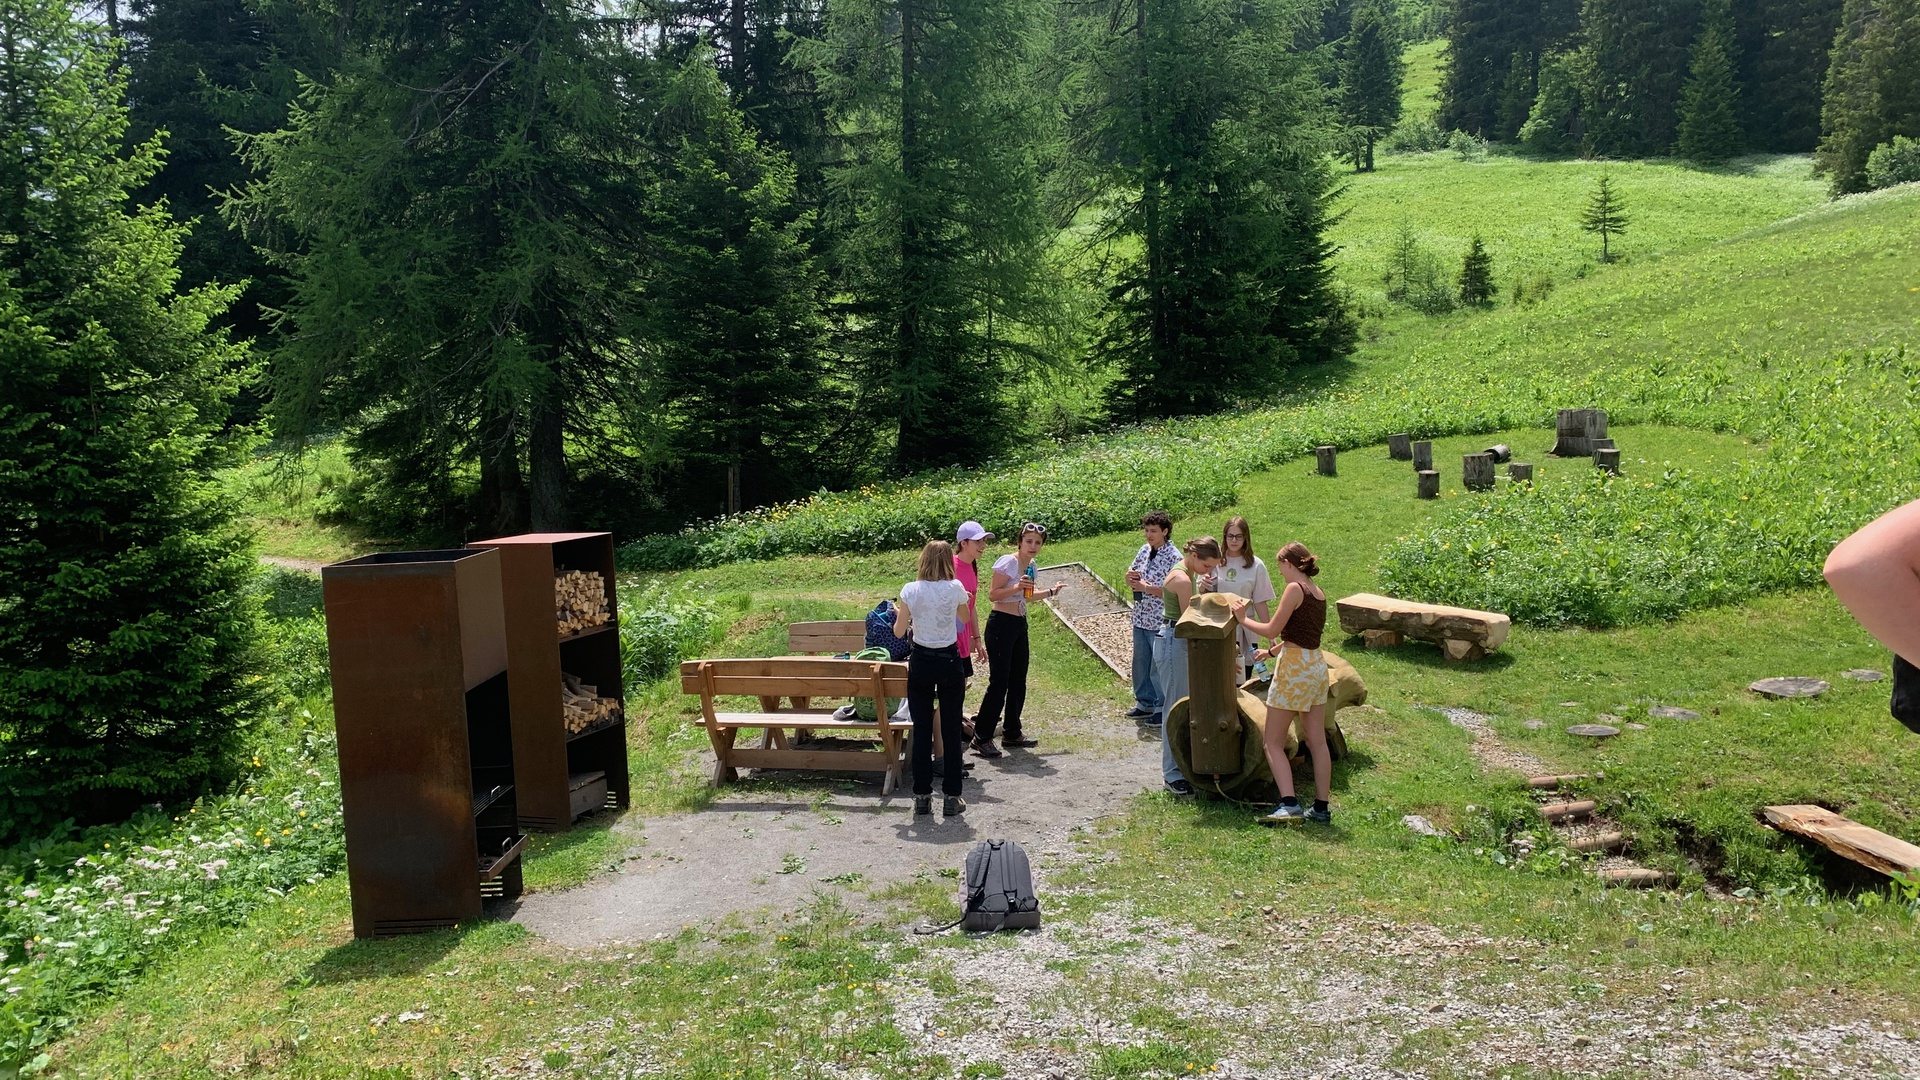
(1876, 575)
(902, 618)
(1289, 600)
(1003, 589)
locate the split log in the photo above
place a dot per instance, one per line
(1606, 841)
(1428, 485)
(1381, 639)
(1461, 652)
(1476, 471)
(1326, 455)
(1636, 877)
(581, 707)
(1565, 810)
(1400, 447)
(1425, 622)
(1869, 847)
(1607, 460)
(1552, 783)
(579, 601)
(1520, 472)
(1575, 429)
(1423, 455)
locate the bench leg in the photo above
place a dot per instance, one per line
(893, 744)
(722, 749)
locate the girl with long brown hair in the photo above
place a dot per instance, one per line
(1243, 574)
(1299, 688)
(932, 607)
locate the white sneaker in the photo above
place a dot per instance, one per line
(1285, 815)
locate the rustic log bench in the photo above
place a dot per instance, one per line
(1461, 633)
(771, 678)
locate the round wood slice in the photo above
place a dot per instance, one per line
(1593, 731)
(1864, 674)
(1669, 712)
(1791, 686)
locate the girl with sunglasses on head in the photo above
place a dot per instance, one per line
(1006, 644)
(1242, 574)
(1299, 688)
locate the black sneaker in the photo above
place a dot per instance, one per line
(984, 748)
(1018, 740)
(1181, 789)
(922, 804)
(953, 807)
(1138, 713)
(1320, 817)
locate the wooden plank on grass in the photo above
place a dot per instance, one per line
(1869, 847)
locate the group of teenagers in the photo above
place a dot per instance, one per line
(938, 611)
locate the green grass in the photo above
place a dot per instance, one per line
(1420, 86)
(294, 504)
(1528, 211)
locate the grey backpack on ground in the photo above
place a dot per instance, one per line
(996, 889)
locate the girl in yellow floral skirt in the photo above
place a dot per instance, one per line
(1299, 687)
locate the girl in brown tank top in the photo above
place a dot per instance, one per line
(1298, 693)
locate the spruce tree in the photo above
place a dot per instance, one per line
(1638, 50)
(1871, 91)
(1476, 276)
(455, 216)
(940, 232)
(1784, 47)
(1709, 105)
(126, 643)
(1206, 133)
(1555, 125)
(730, 327)
(1604, 215)
(1516, 97)
(1370, 79)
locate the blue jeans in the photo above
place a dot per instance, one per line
(1146, 692)
(1170, 663)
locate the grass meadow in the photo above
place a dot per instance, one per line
(1723, 325)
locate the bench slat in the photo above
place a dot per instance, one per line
(815, 720)
(770, 686)
(844, 760)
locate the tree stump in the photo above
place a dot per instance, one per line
(1502, 453)
(1520, 472)
(1607, 460)
(1400, 447)
(1575, 429)
(1597, 445)
(1326, 454)
(1476, 471)
(1791, 686)
(1422, 455)
(1429, 487)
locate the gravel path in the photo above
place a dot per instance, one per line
(754, 850)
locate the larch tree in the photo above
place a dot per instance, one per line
(1709, 104)
(1370, 77)
(127, 645)
(455, 215)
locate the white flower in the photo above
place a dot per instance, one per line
(30, 893)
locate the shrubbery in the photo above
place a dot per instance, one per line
(658, 630)
(1896, 162)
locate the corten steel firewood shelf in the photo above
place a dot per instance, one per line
(553, 769)
(417, 645)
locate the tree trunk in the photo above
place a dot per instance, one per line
(1429, 486)
(1476, 471)
(503, 490)
(1520, 472)
(1422, 455)
(1400, 447)
(1326, 455)
(547, 456)
(1607, 459)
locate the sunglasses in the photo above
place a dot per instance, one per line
(1034, 527)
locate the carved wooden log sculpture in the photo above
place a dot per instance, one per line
(1607, 459)
(1575, 429)
(1429, 485)
(1520, 472)
(1326, 455)
(1253, 777)
(1484, 630)
(1400, 447)
(1422, 455)
(1212, 632)
(1476, 471)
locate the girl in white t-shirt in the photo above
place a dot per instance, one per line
(1242, 573)
(934, 607)
(1006, 641)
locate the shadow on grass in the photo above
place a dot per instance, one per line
(380, 958)
(1420, 654)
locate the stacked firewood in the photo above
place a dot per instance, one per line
(579, 601)
(581, 706)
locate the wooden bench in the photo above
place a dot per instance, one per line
(829, 638)
(772, 678)
(1461, 633)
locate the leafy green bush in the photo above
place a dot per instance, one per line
(1896, 162)
(658, 630)
(1415, 135)
(88, 912)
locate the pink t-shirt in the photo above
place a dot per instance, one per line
(968, 574)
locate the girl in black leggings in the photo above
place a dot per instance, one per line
(933, 607)
(1006, 641)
